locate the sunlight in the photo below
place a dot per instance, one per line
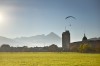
(2, 18)
(4, 22)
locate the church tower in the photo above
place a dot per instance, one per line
(84, 38)
(65, 40)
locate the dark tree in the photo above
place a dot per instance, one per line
(53, 48)
(85, 48)
(5, 48)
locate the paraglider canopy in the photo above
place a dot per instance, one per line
(70, 17)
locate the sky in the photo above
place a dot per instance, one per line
(35, 17)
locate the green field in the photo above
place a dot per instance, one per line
(48, 59)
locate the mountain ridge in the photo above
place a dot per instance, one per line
(38, 40)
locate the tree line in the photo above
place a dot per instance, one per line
(83, 48)
(8, 48)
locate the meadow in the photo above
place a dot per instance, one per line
(48, 59)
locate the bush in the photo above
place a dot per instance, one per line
(85, 48)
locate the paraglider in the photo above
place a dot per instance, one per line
(70, 17)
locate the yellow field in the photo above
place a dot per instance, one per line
(49, 59)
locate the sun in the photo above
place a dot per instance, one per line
(2, 18)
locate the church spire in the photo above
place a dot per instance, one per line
(65, 28)
(84, 35)
(84, 38)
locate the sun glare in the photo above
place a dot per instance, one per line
(1, 18)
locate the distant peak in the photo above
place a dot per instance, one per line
(52, 34)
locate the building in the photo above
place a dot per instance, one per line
(95, 44)
(65, 40)
(74, 46)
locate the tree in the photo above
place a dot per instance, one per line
(81, 48)
(53, 48)
(85, 48)
(5, 47)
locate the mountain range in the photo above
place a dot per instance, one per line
(33, 41)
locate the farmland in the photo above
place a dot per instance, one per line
(48, 59)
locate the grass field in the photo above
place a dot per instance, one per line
(48, 59)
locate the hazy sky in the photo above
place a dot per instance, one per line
(35, 17)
